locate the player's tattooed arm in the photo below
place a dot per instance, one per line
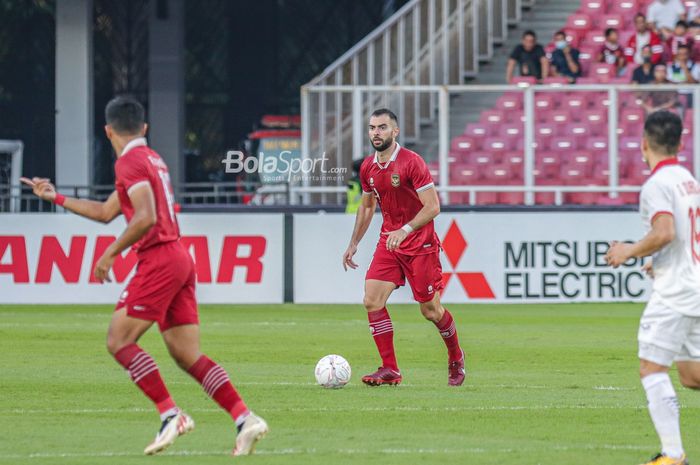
(662, 232)
(104, 212)
(364, 216)
(431, 209)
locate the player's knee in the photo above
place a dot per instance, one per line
(372, 303)
(114, 344)
(430, 311)
(689, 380)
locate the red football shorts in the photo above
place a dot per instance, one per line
(424, 272)
(162, 290)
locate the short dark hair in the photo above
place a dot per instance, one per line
(682, 23)
(683, 46)
(640, 14)
(125, 114)
(529, 32)
(663, 130)
(560, 33)
(386, 111)
(609, 31)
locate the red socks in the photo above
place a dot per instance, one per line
(447, 329)
(216, 384)
(383, 333)
(145, 374)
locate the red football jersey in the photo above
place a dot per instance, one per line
(395, 184)
(139, 164)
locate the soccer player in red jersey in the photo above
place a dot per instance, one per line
(408, 248)
(162, 290)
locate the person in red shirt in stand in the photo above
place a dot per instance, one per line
(408, 248)
(611, 51)
(162, 290)
(643, 36)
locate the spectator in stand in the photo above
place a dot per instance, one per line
(680, 37)
(660, 99)
(694, 16)
(683, 70)
(530, 58)
(565, 58)
(644, 36)
(644, 74)
(611, 51)
(663, 15)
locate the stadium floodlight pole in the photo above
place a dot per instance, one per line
(612, 142)
(696, 131)
(529, 162)
(444, 141)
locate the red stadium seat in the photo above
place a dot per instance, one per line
(544, 102)
(492, 117)
(597, 144)
(581, 161)
(498, 144)
(563, 144)
(555, 81)
(511, 131)
(574, 102)
(464, 143)
(614, 20)
(633, 115)
(602, 71)
(579, 22)
(524, 81)
(599, 116)
(594, 38)
(631, 144)
(624, 7)
(548, 164)
(579, 132)
(593, 7)
(510, 101)
(478, 130)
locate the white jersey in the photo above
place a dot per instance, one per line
(671, 189)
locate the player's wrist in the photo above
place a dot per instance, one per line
(407, 228)
(59, 199)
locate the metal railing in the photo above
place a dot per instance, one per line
(426, 42)
(359, 146)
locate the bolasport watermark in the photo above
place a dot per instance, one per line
(284, 166)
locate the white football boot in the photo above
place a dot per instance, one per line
(172, 427)
(254, 429)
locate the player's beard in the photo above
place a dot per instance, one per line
(385, 144)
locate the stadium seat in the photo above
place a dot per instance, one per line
(498, 144)
(593, 7)
(555, 81)
(464, 143)
(597, 144)
(582, 161)
(594, 39)
(624, 7)
(614, 20)
(633, 115)
(579, 132)
(512, 131)
(524, 81)
(604, 72)
(478, 130)
(579, 22)
(563, 144)
(492, 117)
(574, 102)
(510, 101)
(544, 102)
(631, 144)
(548, 164)
(597, 116)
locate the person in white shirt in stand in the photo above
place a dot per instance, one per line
(669, 329)
(663, 15)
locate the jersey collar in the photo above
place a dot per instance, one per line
(666, 162)
(133, 143)
(393, 157)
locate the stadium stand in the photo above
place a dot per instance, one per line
(571, 133)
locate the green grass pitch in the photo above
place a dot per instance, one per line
(547, 384)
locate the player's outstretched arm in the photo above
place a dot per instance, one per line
(144, 219)
(365, 213)
(104, 212)
(663, 231)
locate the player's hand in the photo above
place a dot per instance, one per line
(347, 257)
(42, 188)
(102, 267)
(618, 253)
(394, 239)
(648, 268)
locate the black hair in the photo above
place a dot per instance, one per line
(680, 46)
(640, 14)
(530, 32)
(682, 23)
(386, 111)
(125, 114)
(663, 130)
(560, 33)
(609, 31)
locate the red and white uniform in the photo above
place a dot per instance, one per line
(162, 289)
(670, 326)
(633, 51)
(396, 184)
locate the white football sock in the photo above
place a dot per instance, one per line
(169, 413)
(665, 412)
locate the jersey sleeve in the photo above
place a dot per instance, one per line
(656, 199)
(363, 179)
(131, 173)
(420, 175)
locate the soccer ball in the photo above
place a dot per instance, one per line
(333, 372)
